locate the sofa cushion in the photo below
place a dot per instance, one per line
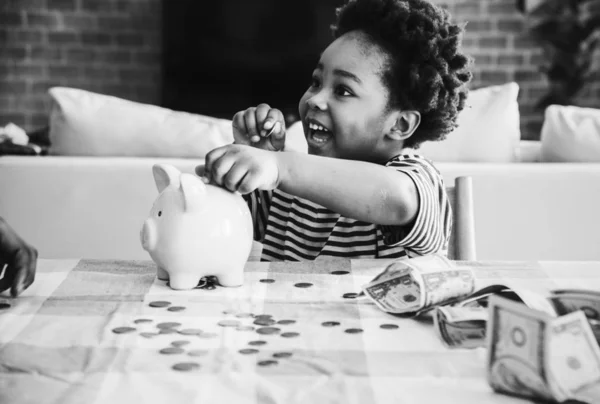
(488, 129)
(84, 123)
(571, 134)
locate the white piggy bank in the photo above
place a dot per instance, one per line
(196, 230)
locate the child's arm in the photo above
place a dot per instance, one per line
(360, 190)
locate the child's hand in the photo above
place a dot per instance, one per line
(262, 127)
(240, 168)
(18, 261)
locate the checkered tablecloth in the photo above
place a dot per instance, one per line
(57, 343)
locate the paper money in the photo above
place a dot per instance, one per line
(534, 355)
(411, 286)
(570, 300)
(461, 327)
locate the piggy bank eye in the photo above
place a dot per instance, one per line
(159, 213)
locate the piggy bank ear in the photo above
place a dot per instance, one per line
(165, 175)
(194, 191)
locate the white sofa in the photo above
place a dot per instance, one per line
(93, 206)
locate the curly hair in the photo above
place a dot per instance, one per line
(426, 70)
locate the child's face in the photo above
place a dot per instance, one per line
(347, 100)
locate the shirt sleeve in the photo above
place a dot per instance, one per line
(430, 231)
(259, 203)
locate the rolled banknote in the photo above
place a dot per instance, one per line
(414, 285)
(461, 327)
(588, 301)
(534, 355)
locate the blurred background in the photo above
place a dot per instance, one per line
(218, 57)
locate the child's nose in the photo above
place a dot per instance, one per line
(318, 101)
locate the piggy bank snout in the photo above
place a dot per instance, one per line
(148, 235)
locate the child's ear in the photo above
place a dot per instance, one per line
(405, 125)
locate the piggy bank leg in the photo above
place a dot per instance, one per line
(162, 274)
(232, 278)
(184, 280)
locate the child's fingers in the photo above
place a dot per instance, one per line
(278, 137)
(238, 124)
(248, 184)
(234, 176)
(250, 122)
(274, 115)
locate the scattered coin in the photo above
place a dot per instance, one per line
(245, 328)
(176, 308)
(190, 331)
(409, 298)
(159, 303)
(142, 321)
(350, 295)
(197, 352)
(229, 323)
(268, 362)
(340, 272)
(244, 315)
(267, 280)
(4, 305)
(208, 335)
(186, 366)
(303, 285)
(171, 351)
(388, 326)
(263, 316)
(179, 343)
(290, 334)
(248, 351)
(268, 330)
(330, 324)
(123, 330)
(257, 343)
(354, 330)
(168, 331)
(282, 354)
(148, 334)
(264, 321)
(286, 322)
(166, 325)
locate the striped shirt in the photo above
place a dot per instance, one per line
(296, 229)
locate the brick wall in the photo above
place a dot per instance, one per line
(107, 46)
(113, 47)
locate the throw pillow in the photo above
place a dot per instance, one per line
(571, 134)
(488, 129)
(84, 123)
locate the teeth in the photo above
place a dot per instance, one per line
(314, 126)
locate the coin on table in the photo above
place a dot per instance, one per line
(190, 331)
(248, 351)
(282, 355)
(186, 366)
(142, 321)
(197, 352)
(159, 303)
(264, 321)
(268, 330)
(286, 322)
(169, 324)
(303, 285)
(171, 351)
(389, 326)
(257, 343)
(168, 331)
(245, 328)
(176, 308)
(353, 330)
(339, 272)
(148, 334)
(180, 343)
(263, 316)
(350, 295)
(330, 324)
(268, 362)
(267, 280)
(244, 315)
(4, 305)
(208, 335)
(229, 323)
(123, 330)
(290, 334)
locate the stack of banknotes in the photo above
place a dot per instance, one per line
(539, 346)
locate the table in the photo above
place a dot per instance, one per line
(57, 343)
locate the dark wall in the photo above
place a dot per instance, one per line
(220, 57)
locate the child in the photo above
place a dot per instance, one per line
(393, 78)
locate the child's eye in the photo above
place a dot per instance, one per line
(159, 213)
(343, 91)
(315, 82)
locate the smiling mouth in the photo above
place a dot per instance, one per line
(318, 134)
